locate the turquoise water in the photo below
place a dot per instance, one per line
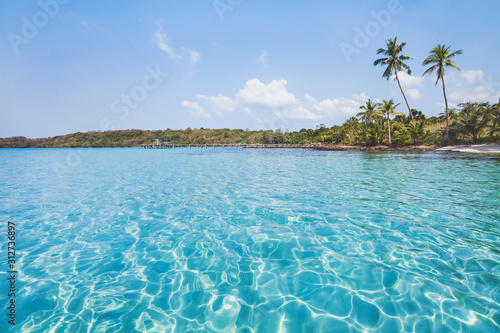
(252, 240)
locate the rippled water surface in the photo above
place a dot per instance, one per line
(249, 240)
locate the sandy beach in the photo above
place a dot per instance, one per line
(487, 148)
(484, 148)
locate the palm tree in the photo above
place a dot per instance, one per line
(395, 63)
(495, 118)
(370, 112)
(350, 127)
(472, 119)
(417, 131)
(376, 133)
(452, 113)
(389, 108)
(440, 57)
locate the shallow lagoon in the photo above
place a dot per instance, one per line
(263, 240)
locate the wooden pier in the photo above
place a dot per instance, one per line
(317, 146)
(168, 145)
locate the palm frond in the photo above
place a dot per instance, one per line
(431, 69)
(451, 55)
(381, 60)
(430, 60)
(451, 63)
(439, 57)
(388, 72)
(403, 57)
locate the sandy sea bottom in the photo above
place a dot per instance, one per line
(249, 240)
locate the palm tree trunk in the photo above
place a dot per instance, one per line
(404, 96)
(389, 127)
(447, 112)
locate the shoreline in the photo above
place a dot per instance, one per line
(475, 149)
(376, 148)
(481, 148)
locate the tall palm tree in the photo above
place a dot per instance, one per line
(440, 57)
(395, 63)
(370, 112)
(389, 108)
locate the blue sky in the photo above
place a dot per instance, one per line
(69, 65)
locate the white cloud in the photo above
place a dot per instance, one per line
(274, 105)
(338, 107)
(311, 99)
(361, 97)
(472, 86)
(408, 81)
(198, 110)
(220, 102)
(88, 24)
(194, 57)
(299, 112)
(186, 54)
(472, 76)
(161, 42)
(263, 58)
(414, 93)
(272, 95)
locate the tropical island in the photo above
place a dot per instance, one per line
(378, 124)
(474, 123)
